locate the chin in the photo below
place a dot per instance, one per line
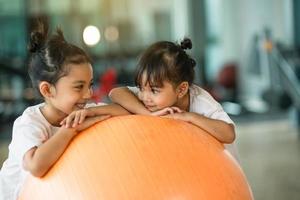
(154, 109)
(151, 109)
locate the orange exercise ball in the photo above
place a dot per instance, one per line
(142, 157)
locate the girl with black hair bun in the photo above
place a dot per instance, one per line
(63, 76)
(164, 87)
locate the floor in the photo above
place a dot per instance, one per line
(269, 154)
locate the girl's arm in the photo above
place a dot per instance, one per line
(39, 160)
(110, 109)
(221, 130)
(124, 97)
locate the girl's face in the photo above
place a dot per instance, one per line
(157, 98)
(73, 91)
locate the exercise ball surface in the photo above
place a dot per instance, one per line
(142, 157)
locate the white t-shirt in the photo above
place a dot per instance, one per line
(203, 103)
(31, 129)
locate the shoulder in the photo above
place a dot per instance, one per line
(203, 103)
(133, 89)
(31, 117)
(199, 95)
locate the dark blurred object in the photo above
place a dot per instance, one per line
(280, 99)
(227, 76)
(13, 84)
(224, 90)
(225, 87)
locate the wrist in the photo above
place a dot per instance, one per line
(69, 132)
(191, 117)
(90, 111)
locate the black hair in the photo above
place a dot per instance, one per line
(50, 56)
(166, 61)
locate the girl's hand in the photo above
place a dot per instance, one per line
(76, 118)
(73, 131)
(91, 121)
(167, 111)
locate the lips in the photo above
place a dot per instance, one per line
(150, 107)
(80, 105)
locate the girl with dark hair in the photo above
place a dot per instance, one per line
(164, 81)
(63, 76)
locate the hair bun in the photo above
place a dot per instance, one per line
(193, 62)
(186, 43)
(38, 37)
(36, 42)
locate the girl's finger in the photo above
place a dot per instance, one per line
(69, 120)
(170, 110)
(76, 119)
(82, 117)
(63, 121)
(176, 109)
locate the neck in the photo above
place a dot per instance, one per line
(52, 115)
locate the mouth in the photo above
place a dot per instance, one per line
(80, 105)
(151, 108)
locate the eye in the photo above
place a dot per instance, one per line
(91, 85)
(140, 88)
(79, 87)
(155, 91)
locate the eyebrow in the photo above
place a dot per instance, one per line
(155, 86)
(82, 82)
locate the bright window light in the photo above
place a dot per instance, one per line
(111, 33)
(91, 35)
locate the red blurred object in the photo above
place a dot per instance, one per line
(227, 76)
(106, 82)
(225, 86)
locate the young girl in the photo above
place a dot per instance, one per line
(63, 75)
(165, 87)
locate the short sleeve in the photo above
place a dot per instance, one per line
(203, 103)
(89, 105)
(134, 90)
(220, 114)
(25, 137)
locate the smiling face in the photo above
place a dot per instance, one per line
(71, 92)
(157, 97)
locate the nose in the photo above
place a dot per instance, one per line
(88, 93)
(144, 96)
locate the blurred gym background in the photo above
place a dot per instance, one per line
(247, 55)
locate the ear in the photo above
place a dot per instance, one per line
(46, 89)
(182, 89)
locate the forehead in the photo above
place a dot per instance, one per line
(151, 80)
(164, 85)
(81, 71)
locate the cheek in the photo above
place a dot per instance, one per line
(167, 100)
(68, 99)
(139, 96)
(161, 100)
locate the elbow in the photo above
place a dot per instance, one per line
(110, 94)
(38, 174)
(229, 139)
(36, 169)
(35, 166)
(113, 92)
(230, 136)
